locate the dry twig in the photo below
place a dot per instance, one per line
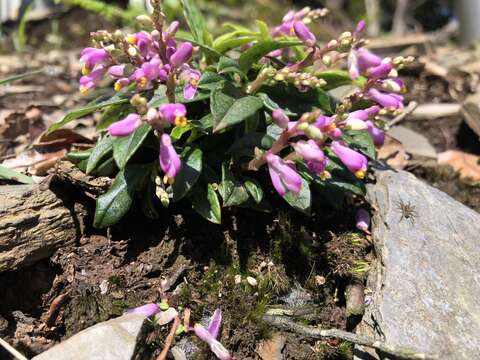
(406, 112)
(11, 350)
(169, 340)
(316, 333)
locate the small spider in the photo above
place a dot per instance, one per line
(408, 211)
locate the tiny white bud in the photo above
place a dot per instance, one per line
(251, 281)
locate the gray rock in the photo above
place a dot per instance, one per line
(426, 282)
(414, 143)
(116, 339)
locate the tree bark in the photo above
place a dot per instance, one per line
(33, 224)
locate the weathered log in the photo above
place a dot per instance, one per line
(33, 224)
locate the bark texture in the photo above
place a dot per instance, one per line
(33, 224)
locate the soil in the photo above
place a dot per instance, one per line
(301, 264)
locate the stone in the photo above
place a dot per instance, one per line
(425, 282)
(116, 339)
(414, 143)
(273, 348)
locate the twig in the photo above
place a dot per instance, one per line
(407, 111)
(169, 340)
(186, 318)
(316, 333)
(11, 350)
(54, 308)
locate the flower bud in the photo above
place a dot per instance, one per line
(280, 118)
(183, 54)
(313, 132)
(362, 219)
(126, 126)
(327, 60)
(145, 21)
(304, 33)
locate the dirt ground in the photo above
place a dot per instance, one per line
(300, 264)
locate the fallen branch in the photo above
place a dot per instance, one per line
(406, 112)
(12, 350)
(316, 333)
(169, 340)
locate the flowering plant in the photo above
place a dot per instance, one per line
(204, 119)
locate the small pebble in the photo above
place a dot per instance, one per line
(252, 281)
(238, 279)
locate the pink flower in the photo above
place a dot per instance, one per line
(147, 310)
(364, 114)
(387, 100)
(283, 174)
(191, 78)
(377, 134)
(148, 72)
(143, 41)
(379, 71)
(91, 57)
(360, 28)
(210, 335)
(312, 154)
(169, 159)
(182, 55)
(304, 33)
(280, 118)
(175, 114)
(367, 59)
(126, 126)
(354, 161)
(88, 82)
(117, 71)
(362, 219)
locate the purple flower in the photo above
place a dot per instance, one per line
(304, 33)
(91, 57)
(182, 55)
(354, 161)
(169, 159)
(175, 114)
(143, 41)
(117, 71)
(283, 174)
(380, 71)
(377, 134)
(360, 28)
(364, 114)
(367, 59)
(352, 63)
(362, 219)
(191, 78)
(126, 126)
(312, 154)
(148, 72)
(121, 83)
(147, 310)
(88, 82)
(326, 124)
(387, 100)
(280, 118)
(210, 336)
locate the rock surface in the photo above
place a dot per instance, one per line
(426, 284)
(33, 224)
(414, 143)
(116, 339)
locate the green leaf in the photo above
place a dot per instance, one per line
(289, 98)
(20, 76)
(264, 30)
(240, 110)
(115, 203)
(125, 147)
(226, 65)
(103, 147)
(301, 201)
(178, 131)
(211, 81)
(246, 145)
(232, 190)
(9, 174)
(234, 42)
(188, 175)
(160, 96)
(221, 100)
(90, 108)
(360, 140)
(207, 204)
(272, 105)
(262, 48)
(195, 20)
(254, 189)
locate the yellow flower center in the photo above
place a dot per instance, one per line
(180, 121)
(84, 90)
(331, 127)
(193, 82)
(132, 39)
(360, 174)
(143, 82)
(168, 180)
(118, 86)
(86, 71)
